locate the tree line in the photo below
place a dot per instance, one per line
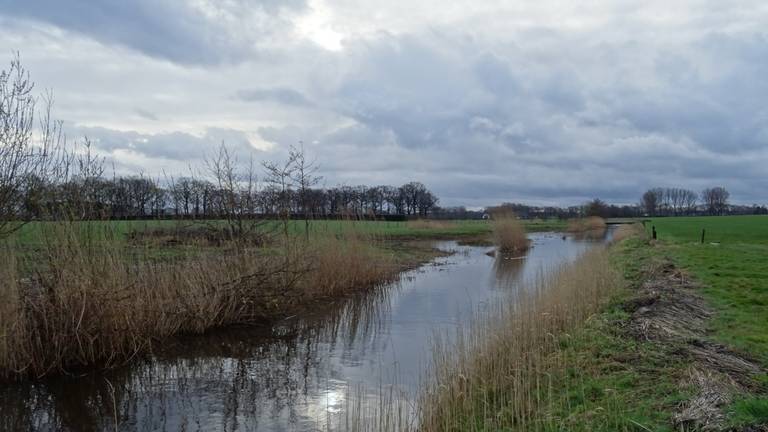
(678, 201)
(138, 196)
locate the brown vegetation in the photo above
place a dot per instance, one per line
(86, 299)
(509, 234)
(499, 371)
(626, 231)
(430, 224)
(592, 223)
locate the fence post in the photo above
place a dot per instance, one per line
(703, 231)
(653, 228)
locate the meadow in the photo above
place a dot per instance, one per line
(732, 265)
(415, 229)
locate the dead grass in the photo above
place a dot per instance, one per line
(509, 234)
(592, 223)
(626, 231)
(496, 376)
(88, 300)
(428, 224)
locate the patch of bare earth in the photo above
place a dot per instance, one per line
(666, 309)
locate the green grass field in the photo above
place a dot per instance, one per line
(732, 264)
(30, 233)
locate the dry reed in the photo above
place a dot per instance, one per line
(626, 231)
(509, 234)
(86, 299)
(591, 223)
(429, 224)
(497, 375)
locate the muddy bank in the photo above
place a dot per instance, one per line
(667, 309)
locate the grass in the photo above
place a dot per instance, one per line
(419, 229)
(733, 268)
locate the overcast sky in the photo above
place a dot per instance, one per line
(483, 101)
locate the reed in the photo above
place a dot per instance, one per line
(591, 223)
(87, 298)
(499, 374)
(509, 234)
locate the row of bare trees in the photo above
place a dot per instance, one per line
(138, 196)
(678, 201)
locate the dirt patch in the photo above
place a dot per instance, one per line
(666, 309)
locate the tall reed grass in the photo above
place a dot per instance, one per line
(498, 375)
(509, 234)
(591, 223)
(88, 299)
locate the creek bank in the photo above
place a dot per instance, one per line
(666, 309)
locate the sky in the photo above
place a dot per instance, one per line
(544, 102)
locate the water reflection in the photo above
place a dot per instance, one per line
(296, 375)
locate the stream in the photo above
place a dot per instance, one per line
(304, 373)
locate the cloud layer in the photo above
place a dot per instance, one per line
(545, 103)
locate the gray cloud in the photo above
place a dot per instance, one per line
(208, 32)
(282, 95)
(148, 115)
(173, 146)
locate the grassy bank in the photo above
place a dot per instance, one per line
(732, 265)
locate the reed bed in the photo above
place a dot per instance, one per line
(591, 223)
(509, 234)
(505, 372)
(88, 299)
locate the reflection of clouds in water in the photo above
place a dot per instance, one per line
(310, 372)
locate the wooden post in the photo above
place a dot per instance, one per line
(653, 228)
(703, 231)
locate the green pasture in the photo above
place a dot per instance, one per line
(31, 233)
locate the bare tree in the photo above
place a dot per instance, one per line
(305, 177)
(652, 200)
(280, 178)
(237, 193)
(22, 158)
(716, 200)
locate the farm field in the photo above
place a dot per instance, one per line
(732, 265)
